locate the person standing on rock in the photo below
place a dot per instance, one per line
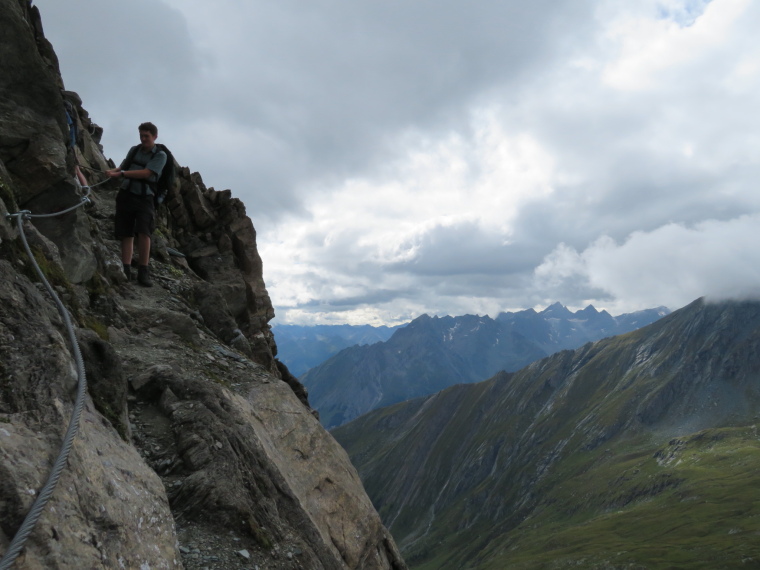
(135, 211)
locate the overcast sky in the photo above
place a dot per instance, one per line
(400, 157)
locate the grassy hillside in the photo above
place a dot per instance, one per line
(692, 503)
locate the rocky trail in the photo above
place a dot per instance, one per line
(171, 336)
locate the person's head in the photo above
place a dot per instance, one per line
(148, 134)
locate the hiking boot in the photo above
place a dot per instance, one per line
(128, 272)
(143, 276)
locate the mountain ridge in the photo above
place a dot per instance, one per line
(431, 353)
(622, 422)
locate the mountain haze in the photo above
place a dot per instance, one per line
(304, 347)
(637, 451)
(432, 353)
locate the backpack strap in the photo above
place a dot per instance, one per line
(131, 154)
(165, 179)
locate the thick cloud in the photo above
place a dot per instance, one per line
(290, 95)
(670, 265)
(129, 68)
(404, 157)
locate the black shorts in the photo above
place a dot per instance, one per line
(135, 214)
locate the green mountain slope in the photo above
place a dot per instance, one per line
(638, 451)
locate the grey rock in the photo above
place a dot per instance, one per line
(105, 380)
(165, 323)
(244, 554)
(106, 483)
(168, 401)
(155, 372)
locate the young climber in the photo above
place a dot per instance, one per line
(135, 212)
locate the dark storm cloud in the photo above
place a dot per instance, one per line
(319, 90)
(334, 83)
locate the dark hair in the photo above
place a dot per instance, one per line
(150, 127)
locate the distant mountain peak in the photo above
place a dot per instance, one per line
(432, 353)
(556, 310)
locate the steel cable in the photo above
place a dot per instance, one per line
(10, 555)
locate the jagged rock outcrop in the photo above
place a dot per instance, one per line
(196, 448)
(211, 228)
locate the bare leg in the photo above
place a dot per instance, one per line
(127, 246)
(80, 176)
(143, 256)
(143, 249)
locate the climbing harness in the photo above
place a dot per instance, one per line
(47, 490)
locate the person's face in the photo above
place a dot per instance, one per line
(147, 139)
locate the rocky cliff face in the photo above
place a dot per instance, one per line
(196, 447)
(639, 450)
